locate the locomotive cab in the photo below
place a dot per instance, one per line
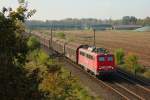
(106, 63)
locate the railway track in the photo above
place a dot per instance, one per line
(133, 78)
(139, 88)
(124, 88)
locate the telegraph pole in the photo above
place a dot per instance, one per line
(94, 37)
(51, 36)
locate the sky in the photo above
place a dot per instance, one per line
(100, 9)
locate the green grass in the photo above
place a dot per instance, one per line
(60, 35)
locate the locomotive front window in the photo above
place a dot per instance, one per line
(110, 58)
(101, 59)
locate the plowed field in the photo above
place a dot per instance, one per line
(133, 42)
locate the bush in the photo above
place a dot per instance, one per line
(131, 63)
(42, 57)
(147, 74)
(33, 43)
(119, 56)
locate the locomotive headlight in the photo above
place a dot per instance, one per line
(109, 66)
(106, 67)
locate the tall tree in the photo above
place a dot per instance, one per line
(133, 20)
(13, 49)
(129, 20)
(147, 21)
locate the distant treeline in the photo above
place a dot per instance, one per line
(88, 23)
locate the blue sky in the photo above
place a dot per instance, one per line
(101, 9)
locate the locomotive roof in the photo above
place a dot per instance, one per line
(94, 50)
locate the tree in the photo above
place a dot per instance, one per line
(14, 85)
(133, 20)
(13, 46)
(129, 20)
(119, 56)
(147, 21)
(125, 20)
(131, 61)
(140, 22)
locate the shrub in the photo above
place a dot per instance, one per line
(39, 57)
(119, 56)
(33, 43)
(131, 62)
(147, 74)
(42, 57)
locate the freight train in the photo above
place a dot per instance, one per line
(95, 60)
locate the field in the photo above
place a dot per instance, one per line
(132, 42)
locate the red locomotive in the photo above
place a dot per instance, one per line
(95, 60)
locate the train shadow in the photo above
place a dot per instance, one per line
(107, 78)
(116, 78)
